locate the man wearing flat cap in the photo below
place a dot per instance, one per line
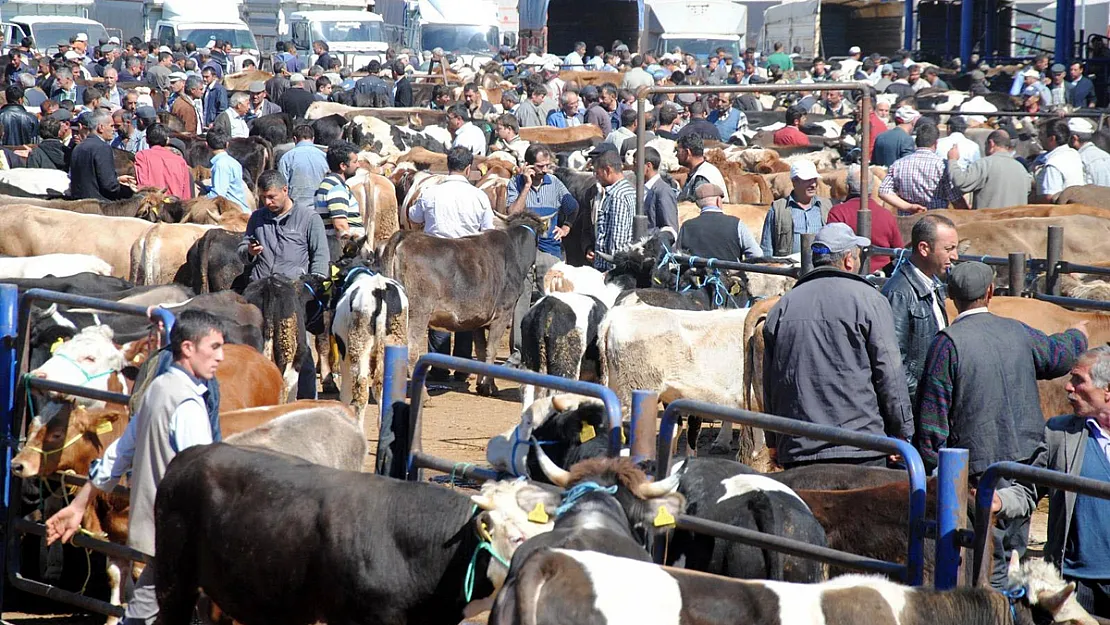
(713, 234)
(260, 104)
(832, 358)
(979, 391)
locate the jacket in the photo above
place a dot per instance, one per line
(50, 154)
(995, 181)
(915, 323)
(184, 110)
(267, 108)
(296, 101)
(93, 172)
(780, 225)
(831, 358)
(1082, 93)
(215, 102)
(402, 93)
(20, 127)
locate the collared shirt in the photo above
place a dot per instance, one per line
(238, 124)
(333, 200)
(1100, 435)
(113, 96)
(453, 208)
(554, 204)
(614, 221)
(933, 285)
(304, 167)
(807, 220)
(973, 311)
(1096, 164)
(968, 149)
(472, 138)
(133, 143)
(227, 180)
(921, 178)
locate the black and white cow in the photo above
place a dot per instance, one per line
(558, 336)
(569, 427)
(282, 301)
(385, 139)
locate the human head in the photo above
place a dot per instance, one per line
(804, 177)
(100, 123)
(927, 136)
(258, 92)
(239, 102)
(508, 127)
(197, 342)
(13, 94)
(343, 158)
(217, 139)
(970, 285)
(539, 156)
(472, 96)
(795, 115)
(194, 87)
(1075, 70)
(537, 94)
(457, 116)
(1041, 62)
(628, 118)
(509, 99)
(652, 160)
(319, 47)
(709, 195)
(906, 116)
(882, 109)
(273, 191)
(209, 75)
(1055, 134)
(50, 128)
(304, 132)
(91, 98)
(836, 245)
(1058, 71)
(667, 115)
(691, 150)
(957, 123)
(933, 245)
(324, 86)
(157, 134)
(608, 96)
(459, 160)
(607, 168)
(1088, 386)
(854, 52)
(64, 78)
(915, 73)
(568, 102)
(998, 141)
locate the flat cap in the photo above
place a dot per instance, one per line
(706, 193)
(969, 281)
(257, 86)
(146, 112)
(1058, 68)
(835, 238)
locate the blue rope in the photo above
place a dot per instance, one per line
(571, 497)
(1014, 595)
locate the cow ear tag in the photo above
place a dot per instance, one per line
(104, 427)
(538, 514)
(56, 344)
(663, 518)
(587, 433)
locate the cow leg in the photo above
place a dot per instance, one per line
(485, 348)
(723, 443)
(360, 344)
(291, 377)
(115, 582)
(325, 355)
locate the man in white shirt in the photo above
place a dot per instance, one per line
(231, 120)
(465, 133)
(1062, 166)
(575, 60)
(968, 149)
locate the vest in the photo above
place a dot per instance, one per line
(1087, 554)
(782, 242)
(707, 171)
(996, 411)
(712, 235)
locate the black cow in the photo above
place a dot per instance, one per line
(277, 128)
(282, 301)
(328, 129)
(337, 546)
(583, 188)
(837, 477)
(563, 440)
(255, 154)
(559, 337)
(212, 264)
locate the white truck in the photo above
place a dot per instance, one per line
(48, 22)
(829, 28)
(699, 27)
(354, 37)
(467, 28)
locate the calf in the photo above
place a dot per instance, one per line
(212, 264)
(559, 337)
(282, 302)
(571, 427)
(565, 586)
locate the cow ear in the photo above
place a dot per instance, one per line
(531, 497)
(131, 372)
(1054, 601)
(660, 513)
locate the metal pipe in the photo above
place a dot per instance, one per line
(1064, 266)
(807, 254)
(641, 123)
(951, 516)
(698, 261)
(394, 384)
(863, 229)
(9, 370)
(81, 391)
(1053, 255)
(645, 412)
(967, 20)
(23, 526)
(420, 460)
(907, 26)
(1017, 274)
(865, 147)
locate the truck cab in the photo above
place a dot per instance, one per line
(203, 24)
(50, 30)
(354, 37)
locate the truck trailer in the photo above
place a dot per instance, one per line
(48, 22)
(466, 28)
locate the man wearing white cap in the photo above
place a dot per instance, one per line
(896, 142)
(554, 84)
(80, 44)
(801, 212)
(177, 87)
(1033, 85)
(1096, 162)
(849, 65)
(1039, 66)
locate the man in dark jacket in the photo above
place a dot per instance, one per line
(215, 96)
(916, 295)
(831, 358)
(20, 126)
(373, 84)
(296, 98)
(402, 88)
(92, 167)
(660, 198)
(51, 153)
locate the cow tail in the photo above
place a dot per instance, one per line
(203, 287)
(603, 350)
(769, 522)
(518, 602)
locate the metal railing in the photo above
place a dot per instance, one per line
(14, 343)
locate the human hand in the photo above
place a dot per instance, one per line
(953, 153)
(590, 255)
(916, 208)
(254, 248)
(64, 524)
(561, 232)
(128, 180)
(529, 173)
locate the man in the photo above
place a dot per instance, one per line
(967, 149)
(161, 167)
(668, 118)
(575, 61)
(537, 190)
(933, 79)
(92, 167)
(510, 102)
(276, 86)
(463, 131)
(441, 98)
(1075, 444)
(402, 86)
(997, 181)
(900, 87)
(780, 57)
(452, 209)
(916, 293)
(15, 68)
(189, 107)
(215, 96)
(1058, 89)
(625, 132)
(284, 240)
(158, 75)
(914, 79)
(831, 358)
(801, 212)
(713, 234)
(636, 77)
(177, 89)
(51, 152)
(260, 105)
(1062, 167)
(323, 57)
(534, 110)
(179, 410)
(232, 121)
(334, 202)
(792, 133)
(618, 207)
(1082, 92)
(834, 105)
(287, 55)
(296, 98)
(920, 181)
(373, 84)
(896, 142)
(886, 76)
(699, 124)
(1034, 86)
(567, 116)
(479, 108)
(124, 123)
(979, 390)
(303, 167)
(554, 84)
(508, 137)
(227, 173)
(660, 198)
(691, 155)
(884, 226)
(134, 69)
(65, 88)
(1096, 162)
(597, 111)
(20, 127)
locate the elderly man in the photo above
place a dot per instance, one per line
(1075, 444)
(260, 104)
(691, 155)
(979, 389)
(996, 181)
(65, 88)
(614, 218)
(916, 293)
(920, 181)
(830, 357)
(567, 116)
(297, 98)
(1096, 162)
(177, 89)
(727, 118)
(834, 105)
(1059, 90)
(896, 142)
(576, 60)
(713, 234)
(660, 198)
(1062, 166)
(884, 225)
(801, 212)
(463, 131)
(92, 167)
(233, 120)
(189, 107)
(127, 137)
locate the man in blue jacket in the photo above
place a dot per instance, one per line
(215, 96)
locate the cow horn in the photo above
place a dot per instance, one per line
(558, 475)
(649, 490)
(605, 257)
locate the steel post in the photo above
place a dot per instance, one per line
(951, 516)
(863, 229)
(1016, 269)
(807, 254)
(1053, 256)
(641, 123)
(907, 26)
(9, 332)
(394, 385)
(645, 412)
(967, 23)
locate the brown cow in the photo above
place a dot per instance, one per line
(781, 186)
(142, 205)
(377, 201)
(1083, 240)
(161, 251)
(241, 81)
(751, 214)
(34, 231)
(563, 139)
(1088, 194)
(743, 187)
(905, 224)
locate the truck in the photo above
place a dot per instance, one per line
(48, 22)
(354, 37)
(698, 27)
(467, 28)
(829, 28)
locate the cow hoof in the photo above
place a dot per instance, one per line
(327, 386)
(486, 388)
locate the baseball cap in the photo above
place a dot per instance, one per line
(803, 169)
(204, 51)
(295, 78)
(164, 49)
(835, 238)
(706, 193)
(1031, 73)
(854, 50)
(71, 55)
(1081, 125)
(81, 37)
(906, 114)
(601, 148)
(969, 281)
(257, 86)
(887, 69)
(550, 67)
(146, 112)
(174, 76)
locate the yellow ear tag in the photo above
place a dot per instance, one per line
(624, 439)
(587, 434)
(664, 518)
(56, 344)
(538, 514)
(103, 427)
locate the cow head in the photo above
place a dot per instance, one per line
(509, 517)
(1038, 593)
(640, 261)
(90, 359)
(156, 206)
(71, 440)
(571, 428)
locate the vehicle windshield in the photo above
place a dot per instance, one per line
(50, 35)
(206, 37)
(347, 31)
(453, 38)
(702, 48)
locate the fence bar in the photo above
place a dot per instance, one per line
(84, 301)
(698, 261)
(9, 369)
(1053, 255)
(994, 261)
(807, 253)
(462, 470)
(1064, 266)
(645, 411)
(427, 361)
(1016, 268)
(863, 229)
(394, 386)
(915, 557)
(1073, 302)
(788, 546)
(82, 391)
(951, 516)
(984, 495)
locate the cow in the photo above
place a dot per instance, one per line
(144, 205)
(559, 337)
(58, 265)
(742, 187)
(255, 154)
(1089, 195)
(408, 184)
(203, 210)
(563, 139)
(208, 491)
(463, 284)
(159, 254)
(1085, 234)
(282, 301)
(212, 264)
(570, 427)
(570, 586)
(752, 215)
(371, 311)
(326, 433)
(960, 217)
(328, 130)
(33, 182)
(583, 187)
(384, 140)
(377, 201)
(277, 128)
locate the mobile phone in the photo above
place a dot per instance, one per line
(252, 240)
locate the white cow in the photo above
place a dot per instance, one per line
(89, 359)
(57, 265)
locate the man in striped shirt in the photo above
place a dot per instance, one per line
(334, 202)
(614, 219)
